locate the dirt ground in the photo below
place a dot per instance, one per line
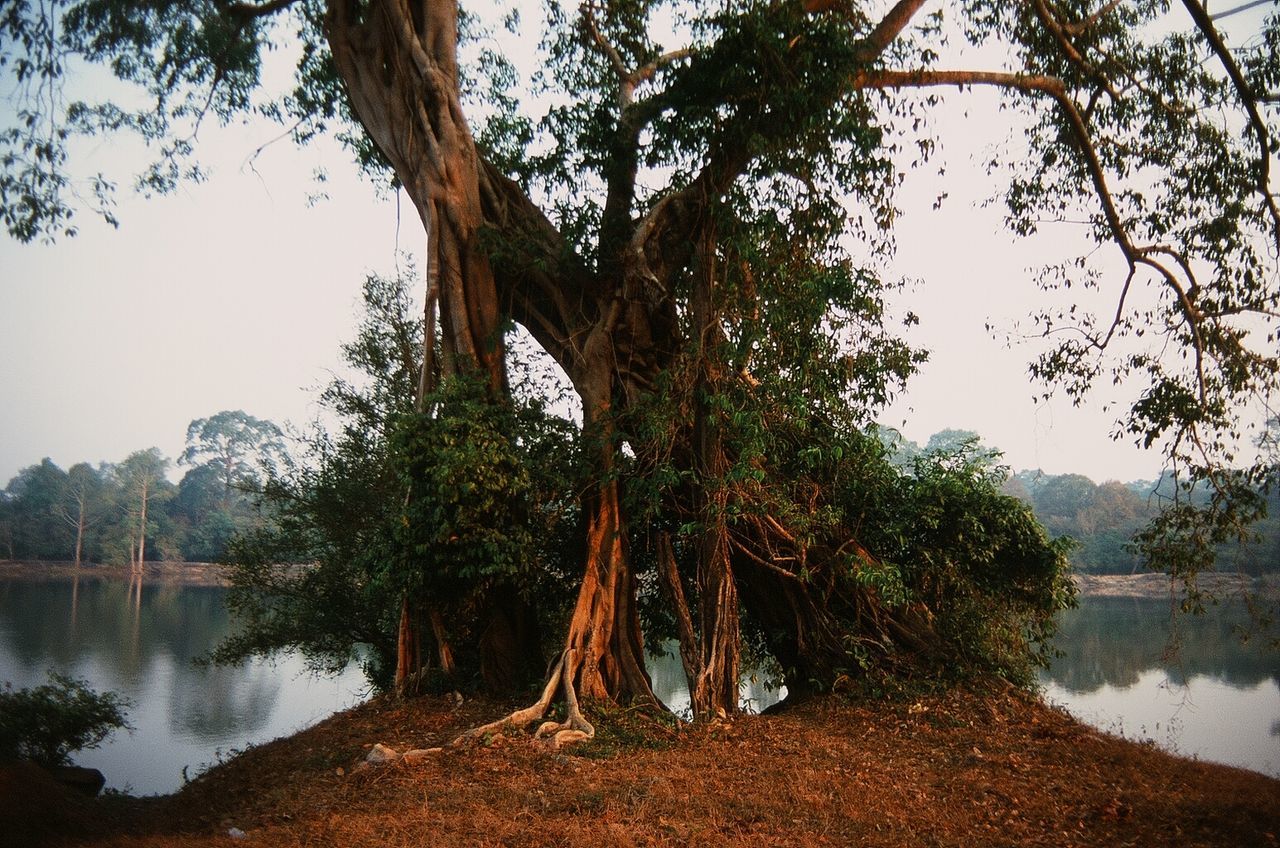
(960, 768)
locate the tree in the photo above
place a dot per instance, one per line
(36, 495)
(236, 447)
(81, 506)
(695, 236)
(141, 476)
(484, 523)
(48, 723)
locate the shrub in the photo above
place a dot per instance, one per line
(48, 723)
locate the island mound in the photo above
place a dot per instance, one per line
(972, 766)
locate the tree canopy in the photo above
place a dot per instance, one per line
(689, 207)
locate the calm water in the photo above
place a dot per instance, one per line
(143, 647)
(1213, 698)
(1217, 701)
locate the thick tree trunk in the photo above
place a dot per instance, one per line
(398, 61)
(510, 643)
(604, 633)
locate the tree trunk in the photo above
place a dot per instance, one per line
(604, 634)
(80, 525)
(142, 528)
(408, 660)
(715, 691)
(510, 642)
(398, 61)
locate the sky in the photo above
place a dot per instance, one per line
(236, 294)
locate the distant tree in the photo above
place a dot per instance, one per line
(239, 448)
(8, 524)
(82, 503)
(229, 456)
(966, 443)
(36, 495)
(141, 476)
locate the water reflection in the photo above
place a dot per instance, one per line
(1113, 641)
(139, 639)
(1212, 698)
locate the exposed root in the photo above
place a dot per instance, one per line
(575, 727)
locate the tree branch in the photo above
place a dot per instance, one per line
(888, 29)
(1250, 103)
(258, 10)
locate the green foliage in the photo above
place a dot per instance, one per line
(486, 482)
(316, 578)
(942, 535)
(983, 564)
(773, 142)
(235, 446)
(48, 723)
(442, 505)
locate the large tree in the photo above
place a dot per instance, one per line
(695, 235)
(236, 447)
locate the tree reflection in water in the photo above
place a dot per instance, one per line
(141, 640)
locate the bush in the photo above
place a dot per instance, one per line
(50, 722)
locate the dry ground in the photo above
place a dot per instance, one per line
(962, 768)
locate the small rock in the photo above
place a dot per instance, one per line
(235, 833)
(381, 754)
(418, 755)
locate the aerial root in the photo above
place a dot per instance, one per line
(575, 727)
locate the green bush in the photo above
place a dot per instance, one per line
(48, 723)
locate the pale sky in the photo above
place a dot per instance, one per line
(235, 294)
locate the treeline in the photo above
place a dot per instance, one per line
(1101, 518)
(124, 512)
(130, 512)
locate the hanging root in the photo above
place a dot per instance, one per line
(574, 728)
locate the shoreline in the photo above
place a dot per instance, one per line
(980, 765)
(1147, 586)
(183, 573)
(1155, 586)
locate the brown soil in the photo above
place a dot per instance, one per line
(962, 768)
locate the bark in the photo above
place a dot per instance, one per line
(80, 527)
(510, 643)
(142, 527)
(398, 61)
(444, 647)
(408, 660)
(604, 638)
(604, 633)
(715, 690)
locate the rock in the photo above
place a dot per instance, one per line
(87, 780)
(418, 755)
(381, 754)
(235, 833)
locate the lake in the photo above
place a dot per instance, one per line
(1215, 700)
